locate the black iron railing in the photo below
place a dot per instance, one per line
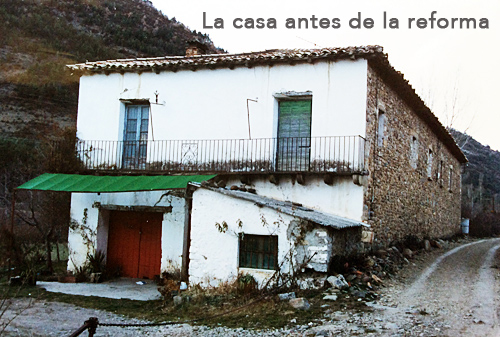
(336, 154)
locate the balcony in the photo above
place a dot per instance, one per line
(340, 154)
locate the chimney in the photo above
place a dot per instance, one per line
(195, 47)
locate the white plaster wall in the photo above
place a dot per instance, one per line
(214, 255)
(84, 216)
(172, 224)
(211, 104)
(342, 198)
(173, 236)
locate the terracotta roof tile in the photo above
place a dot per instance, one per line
(229, 60)
(374, 54)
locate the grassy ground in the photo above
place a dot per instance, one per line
(247, 312)
(221, 307)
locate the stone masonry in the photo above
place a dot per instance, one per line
(413, 186)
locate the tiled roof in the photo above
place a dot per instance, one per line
(228, 60)
(374, 54)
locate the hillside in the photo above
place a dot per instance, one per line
(481, 176)
(39, 37)
(38, 96)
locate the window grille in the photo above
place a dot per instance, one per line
(258, 251)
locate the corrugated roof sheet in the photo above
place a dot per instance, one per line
(103, 184)
(286, 207)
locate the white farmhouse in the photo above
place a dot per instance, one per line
(291, 157)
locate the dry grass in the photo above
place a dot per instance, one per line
(228, 305)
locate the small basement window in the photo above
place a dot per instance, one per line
(258, 251)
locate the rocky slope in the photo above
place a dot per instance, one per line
(39, 37)
(481, 176)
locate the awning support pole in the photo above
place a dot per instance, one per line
(187, 234)
(12, 218)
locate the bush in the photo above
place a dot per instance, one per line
(246, 284)
(29, 266)
(97, 262)
(485, 224)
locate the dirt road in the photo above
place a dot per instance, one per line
(446, 293)
(457, 295)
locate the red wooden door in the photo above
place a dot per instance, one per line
(134, 243)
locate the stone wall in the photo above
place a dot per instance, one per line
(404, 195)
(319, 245)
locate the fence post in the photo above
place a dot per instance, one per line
(92, 323)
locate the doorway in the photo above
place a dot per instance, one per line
(134, 243)
(294, 135)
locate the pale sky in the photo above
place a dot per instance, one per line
(451, 69)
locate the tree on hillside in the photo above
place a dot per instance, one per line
(41, 218)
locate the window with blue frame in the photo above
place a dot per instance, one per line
(135, 138)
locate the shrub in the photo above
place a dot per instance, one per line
(97, 262)
(485, 224)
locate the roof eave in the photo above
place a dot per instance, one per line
(398, 83)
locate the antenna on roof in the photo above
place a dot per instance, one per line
(256, 100)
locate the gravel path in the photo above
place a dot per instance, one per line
(457, 294)
(453, 293)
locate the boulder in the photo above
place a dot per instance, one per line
(376, 279)
(338, 281)
(300, 303)
(407, 253)
(177, 300)
(427, 245)
(286, 296)
(436, 244)
(311, 283)
(332, 297)
(351, 277)
(443, 243)
(360, 293)
(369, 262)
(382, 253)
(395, 250)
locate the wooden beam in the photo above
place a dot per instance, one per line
(274, 179)
(301, 178)
(159, 209)
(245, 179)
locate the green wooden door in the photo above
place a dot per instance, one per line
(294, 135)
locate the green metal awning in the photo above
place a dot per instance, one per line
(103, 184)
